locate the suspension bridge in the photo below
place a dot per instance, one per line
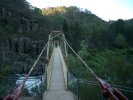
(58, 82)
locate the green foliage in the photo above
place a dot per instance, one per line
(65, 25)
(83, 52)
(113, 66)
(120, 41)
(86, 91)
(4, 68)
(110, 65)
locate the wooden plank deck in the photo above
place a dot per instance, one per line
(57, 89)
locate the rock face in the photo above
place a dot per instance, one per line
(20, 52)
(38, 46)
(28, 25)
(24, 45)
(23, 67)
(3, 15)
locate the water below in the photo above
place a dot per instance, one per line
(31, 82)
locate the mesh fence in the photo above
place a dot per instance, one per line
(84, 90)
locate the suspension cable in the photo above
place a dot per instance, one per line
(108, 91)
(118, 86)
(81, 59)
(35, 63)
(18, 91)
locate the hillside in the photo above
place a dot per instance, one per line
(106, 46)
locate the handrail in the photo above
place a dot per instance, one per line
(88, 68)
(16, 94)
(64, 67)
(119, 87)
(110, 92)
(49, 69)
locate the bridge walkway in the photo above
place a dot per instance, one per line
(57, 90)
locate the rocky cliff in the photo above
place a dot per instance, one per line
(20, 54)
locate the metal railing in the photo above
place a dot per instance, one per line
(84, 90)
(34, 86)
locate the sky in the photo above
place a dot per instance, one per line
(105, 9)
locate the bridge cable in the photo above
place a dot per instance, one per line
(109, 91)
(81, 59)
(35, 63)
(15, 94)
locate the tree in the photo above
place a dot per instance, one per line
(120, 41)
(64, 25)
